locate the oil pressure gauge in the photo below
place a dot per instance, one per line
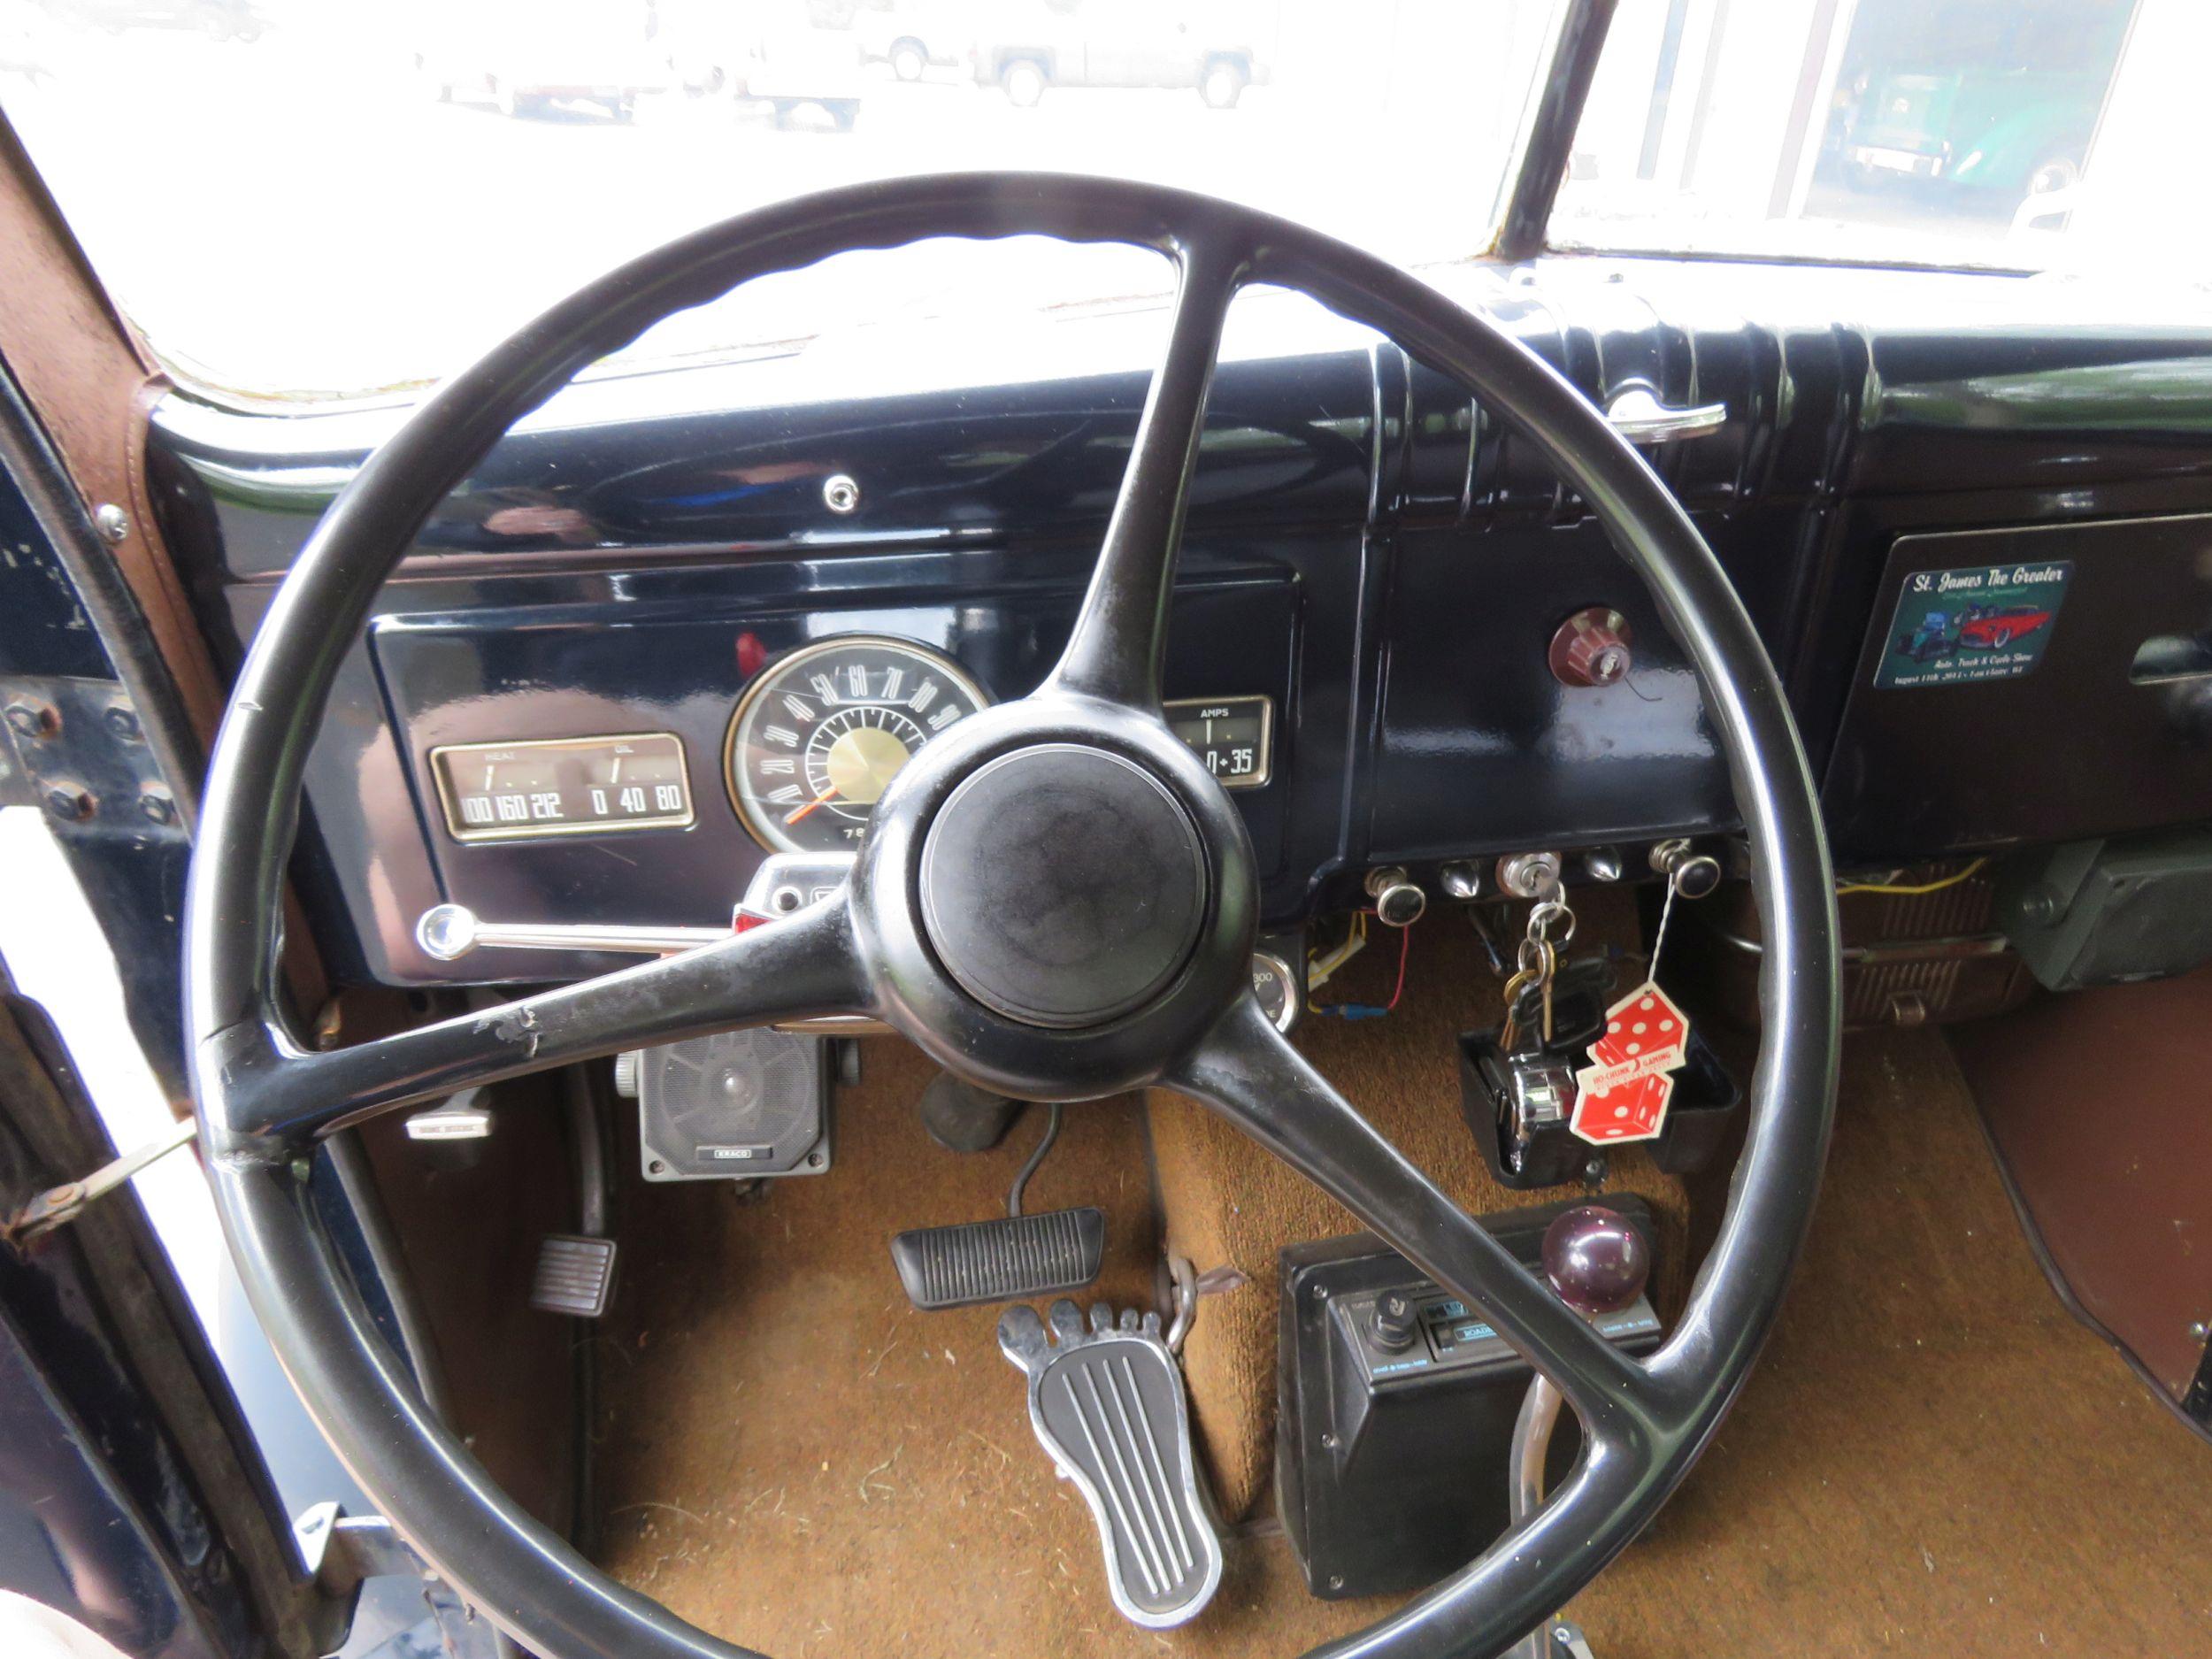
(820, 734)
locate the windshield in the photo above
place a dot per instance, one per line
(339, 197)
(2019, 135)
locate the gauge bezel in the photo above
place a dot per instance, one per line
(772, 673)
(472, 837)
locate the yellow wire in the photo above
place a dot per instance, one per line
(1895, 890)
(1319, 968)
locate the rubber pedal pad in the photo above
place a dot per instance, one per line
(1010, 1259)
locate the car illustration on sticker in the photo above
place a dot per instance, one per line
(1986, 622)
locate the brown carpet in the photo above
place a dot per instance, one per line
(1934, 1457)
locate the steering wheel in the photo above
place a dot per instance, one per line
(982, 939)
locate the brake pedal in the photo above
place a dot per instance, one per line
(1007, 1260)
(1108, 1407)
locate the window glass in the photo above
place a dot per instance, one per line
(335, 197)
(2025, 134)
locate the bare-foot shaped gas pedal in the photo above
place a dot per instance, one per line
(1007, 1260)
(1108, 1403)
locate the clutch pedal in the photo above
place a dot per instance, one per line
(1007, 1259)
(574, 1276)
(1108, 1404)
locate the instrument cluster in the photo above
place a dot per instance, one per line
(816, 738)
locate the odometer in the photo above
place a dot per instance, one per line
(820, 733)
(564, 785)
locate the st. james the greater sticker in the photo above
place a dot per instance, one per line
(1981, 622)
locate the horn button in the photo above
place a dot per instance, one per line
(1062, 886)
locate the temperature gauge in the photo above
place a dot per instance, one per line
(1231, 735)
(567, 786)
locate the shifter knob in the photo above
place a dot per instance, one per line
(1595, 1260)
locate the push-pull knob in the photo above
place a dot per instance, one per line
(1690, 873)
(1399, 903)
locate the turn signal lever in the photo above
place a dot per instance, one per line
(784, 883)
(450, 931)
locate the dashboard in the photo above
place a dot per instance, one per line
(681, 622)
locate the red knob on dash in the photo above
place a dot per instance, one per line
(1592, 648)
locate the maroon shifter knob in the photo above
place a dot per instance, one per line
(1595, 1261)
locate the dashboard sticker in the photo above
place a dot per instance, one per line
(1974, 623)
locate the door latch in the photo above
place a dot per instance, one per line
(58, 1206)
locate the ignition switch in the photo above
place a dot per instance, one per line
(1529, 875)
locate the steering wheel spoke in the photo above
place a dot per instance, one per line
(1121, 631)
(1248, 1072)
(805, 964)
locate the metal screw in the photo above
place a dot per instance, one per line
(2201, 1331)
(1321, 1292)
(32, 718)
(814, 1160)
(1328, 1442)
(70, 801)
(1336, 1581)
(157, 806)
(122, 719)
(657, 1167)
(840, 493)
(113, 522)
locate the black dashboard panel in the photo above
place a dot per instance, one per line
(1481, 749)
(1385, 560)
(2107, 727)
(680, 665)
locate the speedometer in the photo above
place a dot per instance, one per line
(821, 732)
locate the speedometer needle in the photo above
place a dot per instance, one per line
(822, 799)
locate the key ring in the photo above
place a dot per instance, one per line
(1547, 958)
(1541, 917)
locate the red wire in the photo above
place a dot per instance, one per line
(1405, 949)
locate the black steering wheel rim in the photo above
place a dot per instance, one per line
(263, 1097)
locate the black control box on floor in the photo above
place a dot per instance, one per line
(1393, 1447)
